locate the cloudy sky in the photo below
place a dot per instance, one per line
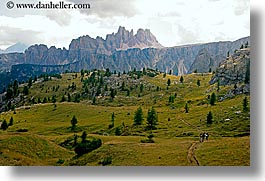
(173, 22)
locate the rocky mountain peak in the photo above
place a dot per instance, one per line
(121, 40)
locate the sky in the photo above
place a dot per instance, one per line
(173, 22)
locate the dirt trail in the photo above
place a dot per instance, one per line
(191, 157)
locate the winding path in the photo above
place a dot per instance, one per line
(191, 157)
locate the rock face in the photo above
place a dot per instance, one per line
(203, 62)
(42, 55)
(122, 51)
(235, 69)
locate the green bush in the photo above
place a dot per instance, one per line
(87, 146)
(22, 130)
(147, 141)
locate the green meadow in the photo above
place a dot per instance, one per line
(40, 130)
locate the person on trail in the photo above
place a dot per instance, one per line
(201, 137)
(206, 135)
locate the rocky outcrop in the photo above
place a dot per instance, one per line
(235, 69)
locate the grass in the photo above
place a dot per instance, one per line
(49, 125)
(26, 149)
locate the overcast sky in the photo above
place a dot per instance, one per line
(173, 22)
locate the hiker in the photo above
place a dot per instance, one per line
(201, 137)
(206, 135)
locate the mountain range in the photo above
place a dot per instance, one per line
(121, 51)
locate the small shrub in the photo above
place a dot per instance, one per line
(22, 130)
(147, 141)
(60, 161)
(106, 161)
(150, 136)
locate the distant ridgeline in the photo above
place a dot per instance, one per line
(121, 51)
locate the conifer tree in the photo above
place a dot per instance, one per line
(181, 79)
(209, 118)
(4, 125)
(186, 108)
(74, 122)
(245, 105)
(152, 118)
(138, 116)
(168, 82)
(213, 99)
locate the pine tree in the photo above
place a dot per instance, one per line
(186, 108)
(181, 79)
(210, 118)
(128, 92)
(4, 125)
(30, 82)
(112, 120)
(198, 83)
(73, 122)
(69, 97)
(44, 100)
(245, 105)
(112, 93)
(141, 88)
(11, 121)
(138, 116)
(213, 99)
(82, 73)
(63, 99)
(152, 118)
(53, 99)
(26, 90)
(168, 82)
(218, 85)
(144, 71)
(84, 136)
(246, 44)
(123, 86)
(15, 88)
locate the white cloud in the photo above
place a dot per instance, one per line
(172, 22)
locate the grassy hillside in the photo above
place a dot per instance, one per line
(176, 142)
